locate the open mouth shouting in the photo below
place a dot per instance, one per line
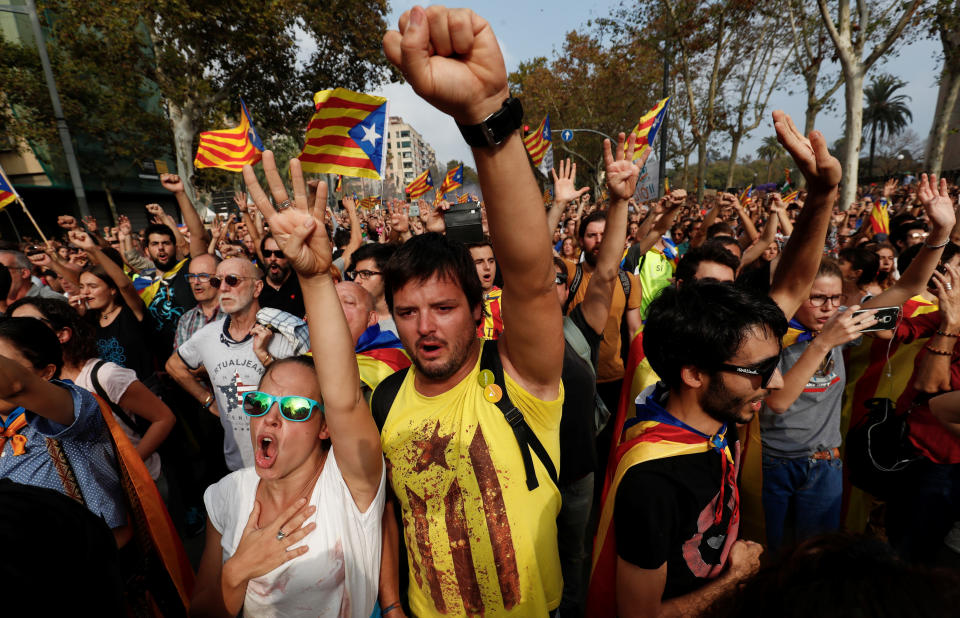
(265, 451)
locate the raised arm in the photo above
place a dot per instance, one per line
(802, 254)
(115, 272)
(452, 59)
(301, 235)
(939, 208)
(700, 235)
(356, 234)
(622, 177)
(933, 373)
(753, 253)
(564, 192)
(198, 238)
(745, 219)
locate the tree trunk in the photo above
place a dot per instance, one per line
(850, 161)
(734, 147)
(184, 128)
(701, 167)
(769, 170)
(946, 104)
(873, 147)
(686, 169)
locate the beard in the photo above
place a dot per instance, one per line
(444, 369)
(167, 264)
(724, 406)
(590, 257)
(278, 276)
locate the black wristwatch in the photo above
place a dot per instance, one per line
(496, 127)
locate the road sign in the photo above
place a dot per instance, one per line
(566, 135)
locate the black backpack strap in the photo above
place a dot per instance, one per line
(625, 284)
(526, 439)
(384, 395)
(117, 410)
(574, 285)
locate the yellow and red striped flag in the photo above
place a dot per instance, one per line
(647, 127)
(339, 186)
(880, 219)
(370, 202)
(747, 196)
(420, 185)
(346, 134)
(452, 180)
(539, 146)
(7, 193)
(464, 198)
(230, 149)
(790, 197)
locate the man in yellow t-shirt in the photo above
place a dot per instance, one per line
(478, 504)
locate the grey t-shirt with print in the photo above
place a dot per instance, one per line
(234, 370)
(812, 423)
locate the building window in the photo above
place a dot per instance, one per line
(408, 164)
(404, 133)
(405, 144)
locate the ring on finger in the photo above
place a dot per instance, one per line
(949, 286)
(280, 535)
(283, 205)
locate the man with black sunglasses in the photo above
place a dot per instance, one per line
(235, 352)
(281, 290)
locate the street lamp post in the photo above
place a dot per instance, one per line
(31, 11)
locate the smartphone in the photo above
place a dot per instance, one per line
(464, 222)
(886, 318)
(931, 284)
(414, 210)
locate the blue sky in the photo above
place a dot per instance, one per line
(529, 29)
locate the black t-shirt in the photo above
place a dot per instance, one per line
(125, 341)
(578, 454)
(288, 298)
(174, 297)
(664, 512)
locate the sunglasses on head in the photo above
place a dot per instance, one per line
(764, 369)
(292, 407)
(231, 280)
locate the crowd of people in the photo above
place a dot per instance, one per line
(645, 413)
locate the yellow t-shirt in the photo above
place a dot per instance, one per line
(478, 541)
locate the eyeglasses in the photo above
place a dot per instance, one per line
(272, 253)
(292, 407)
(561, 278)
(819, 300)
(366, 274)
(202, 277)
(231, 280)
(919, 235)
(764, 369)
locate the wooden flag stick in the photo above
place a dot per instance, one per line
(32, 220)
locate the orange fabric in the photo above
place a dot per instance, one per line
(19, 442)
(154, 529)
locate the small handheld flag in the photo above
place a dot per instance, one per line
(230, 149)
(880, 219)
(647, 127)
(540, 147)
(346, 135)
(339, 186)
(452, 180)
(7, 193)
(420, 185)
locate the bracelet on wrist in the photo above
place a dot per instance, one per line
(944, 333)
(389, 608)
(208, 401)
(939, 352)
(940, 246)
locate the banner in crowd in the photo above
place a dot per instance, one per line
(539, 146)
(346, 135)
(453, 180)
(230, 149)
(646, 130)
(420, 185)
(880, 218)
(7, 193)
(648, 186)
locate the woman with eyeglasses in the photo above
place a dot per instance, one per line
(800, 423)
(108, 299)
(299, 533)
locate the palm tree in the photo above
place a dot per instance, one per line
(885, 113)
(771, 150)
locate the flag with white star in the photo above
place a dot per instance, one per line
(346, 134)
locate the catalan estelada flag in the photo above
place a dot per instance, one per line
(463, 199)
(339, 186)
(647, 127)
(370, 202)
(346, 134)
(655, 434)
(379, 354)
(747, 196)
(7, 193)
(419, 185)
(880, 219)
(790, 197)
(539, 146)
(452, 180)
(230, 149)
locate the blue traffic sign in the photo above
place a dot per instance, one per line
(566, 135)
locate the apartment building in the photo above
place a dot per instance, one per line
(408, 154)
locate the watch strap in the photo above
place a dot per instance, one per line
(496, 128)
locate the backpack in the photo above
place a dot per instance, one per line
(578, 279)
(386, 393)
(578, 343)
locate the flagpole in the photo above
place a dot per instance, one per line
(32, 220)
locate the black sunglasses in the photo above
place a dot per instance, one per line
(764, 369)
(231, 280)
(272, 253)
